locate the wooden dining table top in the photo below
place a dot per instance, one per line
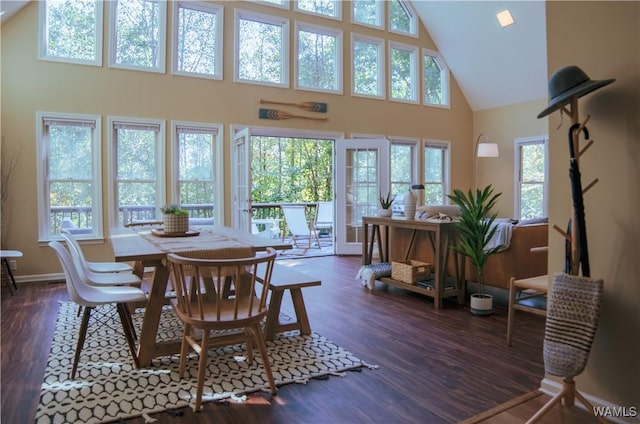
(135, 244)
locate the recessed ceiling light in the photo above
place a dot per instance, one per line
(505, 18)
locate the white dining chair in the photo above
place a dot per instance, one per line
(298, 225)
(100, 267)
(89, 297)
(97, 278)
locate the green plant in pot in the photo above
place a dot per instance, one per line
(385, 205)
(476, 230)
(175, 219)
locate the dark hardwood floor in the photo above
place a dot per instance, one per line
(439, 366)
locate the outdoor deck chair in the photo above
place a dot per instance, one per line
(298, 226)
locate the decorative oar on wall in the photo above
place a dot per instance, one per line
(309, 106)
(279, 115)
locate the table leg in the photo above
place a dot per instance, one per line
(273, 315)
(437, 255)
(147, 337)
(301, 311)
(366, 258)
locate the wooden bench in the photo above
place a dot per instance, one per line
(285, 278)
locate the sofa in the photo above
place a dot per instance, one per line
(516, 261)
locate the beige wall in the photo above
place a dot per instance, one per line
(603, 39)
(30, 85)
(503, 126)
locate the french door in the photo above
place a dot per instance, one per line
(362, 174)
(241, 215)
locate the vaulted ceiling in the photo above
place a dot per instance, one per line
(494, 66)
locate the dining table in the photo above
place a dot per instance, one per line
(148, 247)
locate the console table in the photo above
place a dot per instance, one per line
(441, 235)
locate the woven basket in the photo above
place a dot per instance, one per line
(175, 224)
(410, 271)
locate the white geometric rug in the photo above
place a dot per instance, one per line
(108, 387)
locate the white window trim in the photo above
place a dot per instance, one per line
(381, 15)
(446, 145)
(282, 4)
(415, 62)
(337, 17)
(287, 132)
(521, 141)
(218, 10)
(286, 51)
(111, 159)
(218, 175)
(382, 58)
(44, 229)
(414, 21)
(43, 30)
(445, 82)
(414, 142)
(317, 29)
(162, 40)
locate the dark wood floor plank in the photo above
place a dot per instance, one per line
(435, 366)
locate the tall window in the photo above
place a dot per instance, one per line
(262, 49)
(197, 170)
(326, 8)
(368, 12)
(436, 79)
(197, 39)
(436, 173)
(367, 66)
(402, 18)
(69, 176)
(136, 149)
(138, 29)
(403, 166)
(403, 65)
(319, 58)
(71, 31)
(531, 175)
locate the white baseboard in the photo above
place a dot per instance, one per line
(40, 278)
(552, 387)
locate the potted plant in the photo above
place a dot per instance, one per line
(476, 230)
(175, 219)
(385, 205)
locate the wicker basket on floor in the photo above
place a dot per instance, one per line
(410, 271)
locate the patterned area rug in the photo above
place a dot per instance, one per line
(108, 387)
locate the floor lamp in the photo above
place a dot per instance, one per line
(486, 149)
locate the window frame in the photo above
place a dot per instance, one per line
(218, 164)
(413, 31)
(415, 62)
(337, 7)
(42, 172)
(517, 152)
(218, 11)
(339, 68)
(444, 79)
(162, 39)
(382, 59)
(160, 168)
(43, 37)
(381, 15)
(284, 49)
(445, 146)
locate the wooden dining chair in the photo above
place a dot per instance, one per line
(221, 298)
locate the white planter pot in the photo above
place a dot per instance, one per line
(177, 224)
(481, 304)
(386, 213)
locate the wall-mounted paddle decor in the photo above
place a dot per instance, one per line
(309, 106)
(279, 115)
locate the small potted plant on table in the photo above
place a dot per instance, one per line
(175, 219)
(476, 230)
(385, 205)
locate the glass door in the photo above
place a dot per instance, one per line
(362, 174)
(241, 214)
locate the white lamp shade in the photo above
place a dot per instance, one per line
(488, 150)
